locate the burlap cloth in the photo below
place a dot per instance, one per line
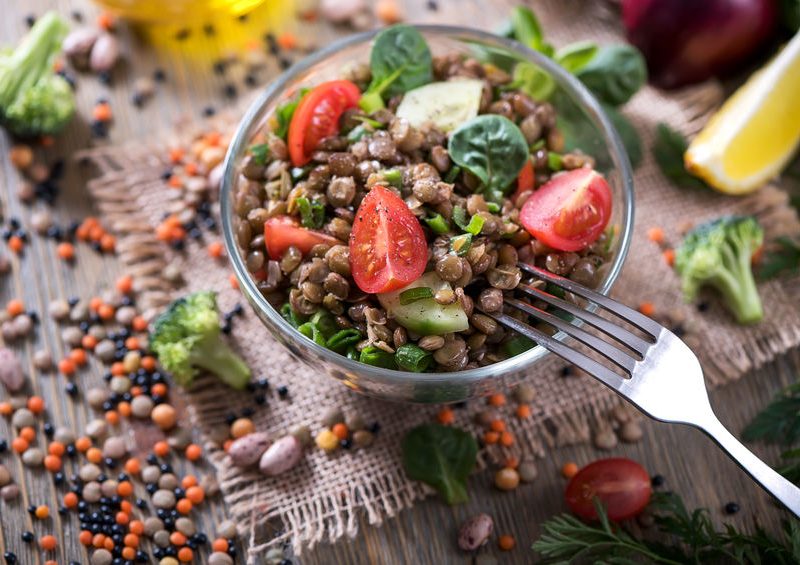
(319, 500)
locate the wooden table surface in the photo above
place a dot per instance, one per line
(425, 534)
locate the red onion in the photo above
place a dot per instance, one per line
(687, 41)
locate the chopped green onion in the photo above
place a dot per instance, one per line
(414, 294)
(554, 161)
(374, 124)
(260, 153)
(475, 225)
(325, 323)
(538, 145)
(460, 244)
(352, 353)
(312, 214)
(371, 101)
(343, 340)
(438, 224)
(372, 355)
(516, 345)
(460, 217)
(299, 173)
(493, 207)
(291, 316)
(393, 177)
(357, 133)
(311, 331)
(452, 174)
(413, 358)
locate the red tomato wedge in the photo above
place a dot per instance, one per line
(317, 117)
(387, 245)
(622, 485)
(570, 211)
(281, 232)
(526, 179)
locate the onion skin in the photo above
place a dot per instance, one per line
(688, 41)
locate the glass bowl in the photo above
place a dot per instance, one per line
(578, 111)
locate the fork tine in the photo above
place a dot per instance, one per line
(626, 313)
(577, 358)
(626, 338)
(604, 348)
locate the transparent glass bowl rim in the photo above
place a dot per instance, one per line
(379, 375)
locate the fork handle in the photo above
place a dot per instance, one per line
(771, 481)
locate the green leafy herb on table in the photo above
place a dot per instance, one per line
(493, 149)
(442, 457)
(684, 537)
(400, 61)
(668, 151)
(779, 423)
(790, 14)
(718, 254)
(186, 338)
(34, 100)
(783, 260)
(614, 74)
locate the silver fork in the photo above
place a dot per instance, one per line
(664, 378)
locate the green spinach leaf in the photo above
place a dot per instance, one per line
(575, 56)
(668, 151)
(785, 258)
(442, 457)
(527, 30)
(400, 61)
(628, 134)
(493, 149)
(533, 81)
(614, 73)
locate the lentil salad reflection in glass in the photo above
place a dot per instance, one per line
(384, 213)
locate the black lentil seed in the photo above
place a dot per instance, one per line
(230, 91)
(159, 75)
(27, 536)
(731, 508)
(183, 34)
(209, 111)
(657, 481)
(10, 557)
(209, 29)
(283, 391)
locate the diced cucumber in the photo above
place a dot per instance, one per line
(426, 316)
(446, 104)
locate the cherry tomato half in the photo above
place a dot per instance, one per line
(570, 211)
(526, 179)
(281, 232)
(622, 485)
(387, 245)
(317, 117)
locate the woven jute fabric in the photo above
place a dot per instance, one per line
(321, 498)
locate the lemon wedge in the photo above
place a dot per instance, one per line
(755, 132)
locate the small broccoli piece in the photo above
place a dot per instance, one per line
(33, 99)
(718, 254)
(187, 337)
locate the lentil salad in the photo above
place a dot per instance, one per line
(386, 220)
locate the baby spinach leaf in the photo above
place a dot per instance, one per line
(614, 74)
(575, 56)
(400, 61)
(628, 134)
(668, 151)
(442, 457)
(493, 149)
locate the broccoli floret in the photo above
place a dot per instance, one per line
(33, 99)
(187, 337)
(718, 254)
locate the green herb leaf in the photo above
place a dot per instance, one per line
(417, 293)
(575, 56)
(790, 14)
(668, 151)
(438, 224)
(372, 355)
(526, 29)
(779, 422)
(260, 153)
(614, 74)
(312, 214)
(285, 112)
(459, 217)
(452, 174)
(533, 81)
(413, 358)
(343, 340)
(400, 61)
(357, 133)
(493, 149)
(783, 260)
(442, 457)
(554, 161)
(460, 244)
